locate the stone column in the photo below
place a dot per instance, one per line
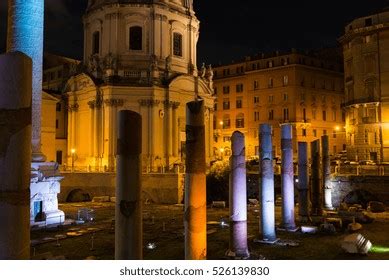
(287, 179)
(211, 116)
(15, 155)
(168, 133)
(303, 181)
(316, 193)
(326, 172)
(175, 130)
(128, 211)
(91, 128)
(267, 185)
(238, 198)
(25, 34)
(195, 217)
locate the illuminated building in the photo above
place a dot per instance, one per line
(303, 89)
(366, 55)
(139, 56)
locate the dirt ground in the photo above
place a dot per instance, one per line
(95, 240)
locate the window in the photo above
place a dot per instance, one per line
(324, 115)
(304, 132)
(256, 99)
(256, 85)
(366, 136)
(314, 133)
(226, 122)
(226, 104)
(271, 98)
(270, 64)
(240, 121)
(314, 114)
(226, 89)
(226, 72)
(135, 38)
(304, 115)
(271, 115)
(59, 157)
(96, 42)
(334, 134)
(58, 107)
(286, 114)
(56, 124)
(177, 44)
(285, 81)
(285, 96)
(270, 82)
(368, 22)
(215, 107)
(239, 103)
(334, 115)
(239, 88)
(256, 116)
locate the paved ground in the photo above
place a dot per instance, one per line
(170, 242)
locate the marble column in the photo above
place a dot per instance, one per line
(195, 217)
(238, 198)
(15, 155)
(128, 210)
(287, 179)
(316, 192)
(266, 191)
(326, 163)
(303, 181)
(25, 34)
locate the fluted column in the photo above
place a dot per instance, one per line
(91, 128)
(175, 129)
(111, 121)
(25, 34)
(210, 127)
(168, 132)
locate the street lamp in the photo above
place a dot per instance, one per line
(73, 151)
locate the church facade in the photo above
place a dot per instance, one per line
(139, 56)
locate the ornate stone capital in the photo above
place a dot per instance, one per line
(92, 104)
(149, 102)
(112, 102)
(73, 107)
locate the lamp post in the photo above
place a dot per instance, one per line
(73, 157)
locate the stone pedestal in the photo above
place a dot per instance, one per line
(238, 198)
(45, 187)
(195, 216)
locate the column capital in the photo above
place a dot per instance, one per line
(149, 102)
(112, 102)
(73, 107)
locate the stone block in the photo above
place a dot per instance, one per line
(101, 199)
(309, 229)
(376, 207)
(356, 244)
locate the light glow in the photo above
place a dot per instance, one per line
(379, 249)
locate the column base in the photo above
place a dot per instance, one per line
(238, 256)
(288, 229)
(267, 241)
(38, 157)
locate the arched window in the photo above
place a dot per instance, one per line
(240, 120)
(96, 43)
(177, 44)
(135, 38)
(226, 122)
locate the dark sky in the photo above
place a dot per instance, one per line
(229, 29)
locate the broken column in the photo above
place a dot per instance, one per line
(15, 155)
(195, 219)
(267, 186)
(303, 181)
(287, 179)
(128, 210)
(25, 34)
(316, 195)
(238, 198)
(326, 172)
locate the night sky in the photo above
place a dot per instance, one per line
(229, 29)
